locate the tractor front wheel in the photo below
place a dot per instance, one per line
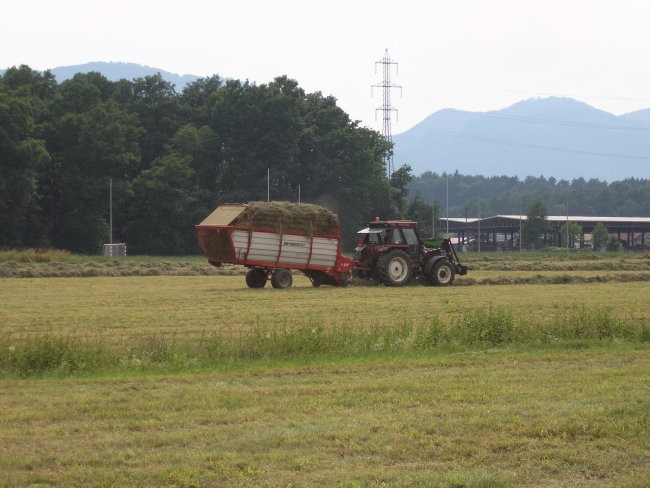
(394, 268)
(281, 278)
(442, 273)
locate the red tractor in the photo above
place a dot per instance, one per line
(392, 252)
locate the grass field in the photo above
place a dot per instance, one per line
(199, 381)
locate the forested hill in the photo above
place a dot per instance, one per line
(553, 137)
(487, 196)
(172, 157)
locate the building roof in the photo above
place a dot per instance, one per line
(511, 223)
(570, 218)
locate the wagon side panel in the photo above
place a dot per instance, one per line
(324, 252)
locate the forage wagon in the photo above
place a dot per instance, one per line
(273, 238)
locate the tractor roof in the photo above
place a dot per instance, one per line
(393, 223)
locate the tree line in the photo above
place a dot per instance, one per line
(173, 157)
(481, 196)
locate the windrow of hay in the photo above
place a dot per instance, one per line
(540, 279)
(33, 255)
(300, 218)
(13, 269)
(638, 264)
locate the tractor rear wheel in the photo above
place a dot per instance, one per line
(256, 278)
(281, 278)
(394, 268)
(442, 273)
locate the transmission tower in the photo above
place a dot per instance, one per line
(386, 107)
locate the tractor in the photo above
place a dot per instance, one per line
(393, 253)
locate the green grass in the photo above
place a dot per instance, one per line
(478, 329)
(198, 381)
(498, 418)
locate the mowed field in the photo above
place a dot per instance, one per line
(201, 381)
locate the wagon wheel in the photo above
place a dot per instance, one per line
(281, 278)
(256, 278)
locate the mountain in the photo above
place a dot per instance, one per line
(119, 71)
(554, 137)
(640, 116)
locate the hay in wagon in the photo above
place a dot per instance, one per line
(287, 217)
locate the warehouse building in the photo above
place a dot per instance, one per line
(502, 232)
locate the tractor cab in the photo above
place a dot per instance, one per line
(381, 236)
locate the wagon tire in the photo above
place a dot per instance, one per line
(256, 278)
(281, 278)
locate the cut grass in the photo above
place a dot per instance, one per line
(199, 381)
(92, 325)
(133, 307)
(497, 419)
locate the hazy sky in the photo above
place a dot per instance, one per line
(472, 54)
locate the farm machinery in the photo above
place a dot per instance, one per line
(274, 238)
(392, 252)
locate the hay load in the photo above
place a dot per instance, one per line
(286, 217)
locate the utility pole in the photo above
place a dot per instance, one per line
(386, 107)
(567, 226)
(447, 205)
(520, 229)
(110, 211)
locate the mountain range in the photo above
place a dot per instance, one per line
(121, 71)
(553, 137)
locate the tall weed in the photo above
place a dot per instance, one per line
(49, 353)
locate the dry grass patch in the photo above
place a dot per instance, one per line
(134, 307)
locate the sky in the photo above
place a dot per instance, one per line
(476, 55)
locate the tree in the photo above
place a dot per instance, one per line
(613, 244)
(161, 208)
(574, 233)
(599, 237)
(159, 113)
(23, 97)
(172, 158)
(424, 213)
(536, 224)
(87, 149)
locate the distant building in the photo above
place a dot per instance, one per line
(502, 232)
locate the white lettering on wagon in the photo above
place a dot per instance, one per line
(294, 244)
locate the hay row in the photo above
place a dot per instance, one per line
(553, 280)
(638, 265)
(12, 269)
